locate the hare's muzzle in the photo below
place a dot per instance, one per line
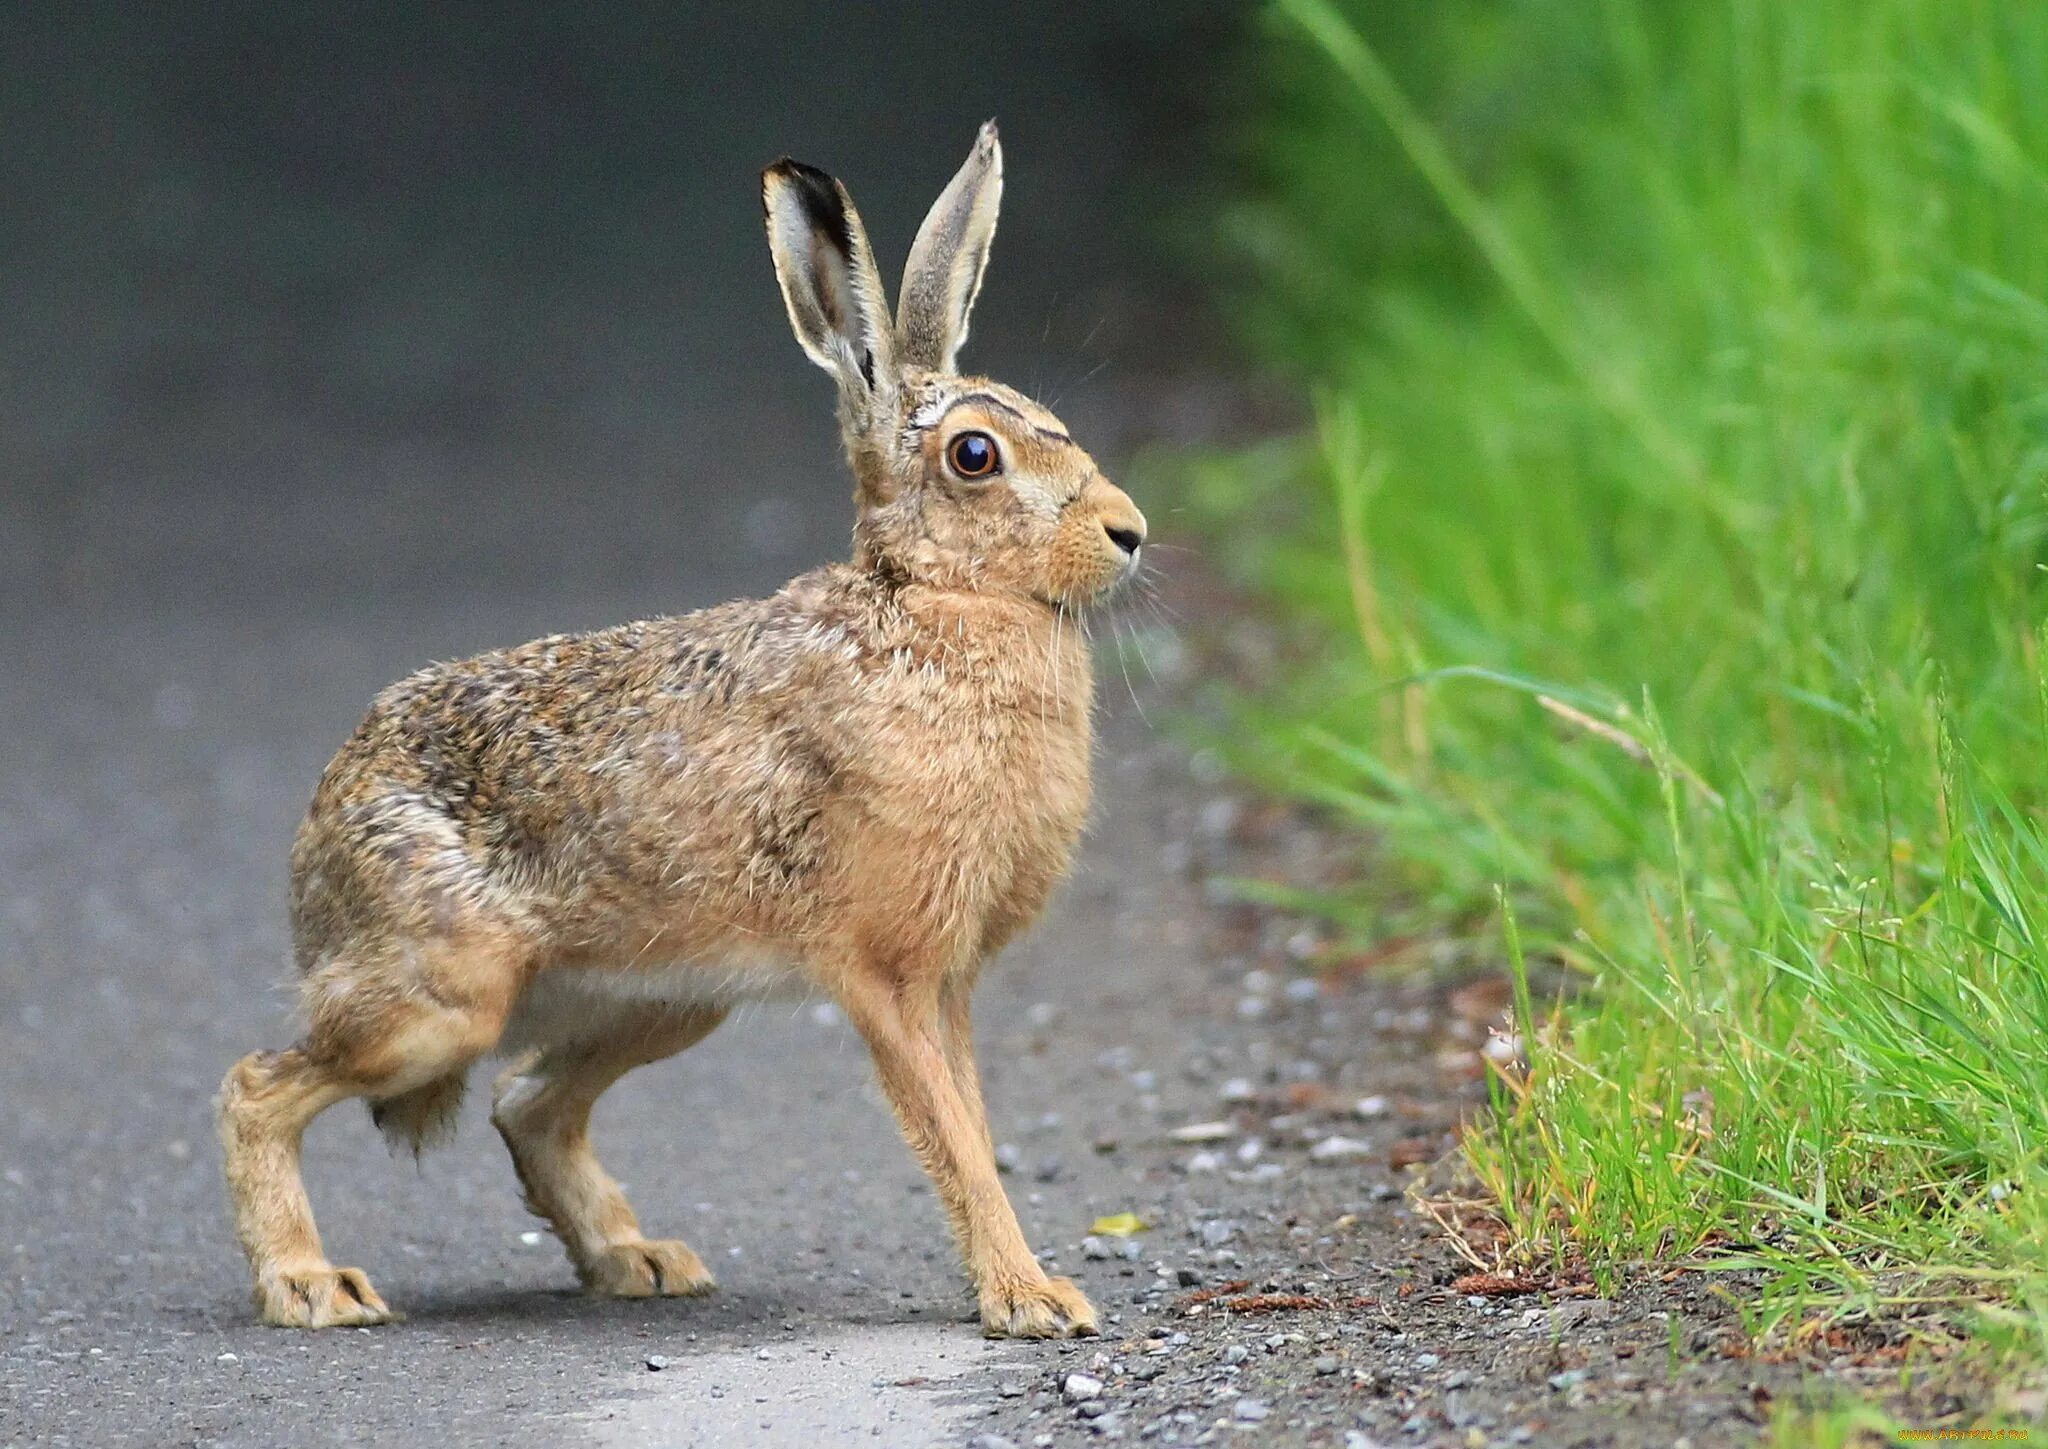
(1102, 534)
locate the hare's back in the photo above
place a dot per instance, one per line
(584, 775)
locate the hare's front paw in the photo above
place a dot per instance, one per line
(319, 1296)
(1046, 1308)
(648, 1269)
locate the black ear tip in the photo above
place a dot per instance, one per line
(821, 197)
(796, 173)
(816, 188)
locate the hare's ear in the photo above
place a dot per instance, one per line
(943, 276)
(829, 282)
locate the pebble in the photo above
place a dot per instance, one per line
(1427, 1360)
(1304, 988)
(1335, 1146)
(1238, 1089)
(1569, 1379)
(1203, 1162)
(656, 1363)
(1216, 1232)
(218, 1358)
(1369, 1108)
(991, 1441)
(1251, 1410)
(1009, 1157)
(1094, 1247)
(1327, 1364)
(1092, 1408)
(1236, 1353)
(1203, 1132)
(1187, 1277)
(1500, 1048)
(1079, 1388)
(1010, 1389)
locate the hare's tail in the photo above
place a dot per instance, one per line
(423, 1117)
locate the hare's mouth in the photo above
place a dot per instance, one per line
(1101, 596)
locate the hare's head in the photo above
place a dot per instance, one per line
(960, 481)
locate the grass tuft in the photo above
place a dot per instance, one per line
(1668, 558)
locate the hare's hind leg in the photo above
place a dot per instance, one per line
(542, 1109)
(369, 1037)
(265, 1104)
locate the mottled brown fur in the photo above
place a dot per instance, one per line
(583, 850)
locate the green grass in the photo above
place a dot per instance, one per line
(1666, 560)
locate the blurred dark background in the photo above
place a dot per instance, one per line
(314, 303)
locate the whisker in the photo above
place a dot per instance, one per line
(1123, 665)
(1144, 658)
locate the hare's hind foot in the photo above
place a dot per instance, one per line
(319, 1295)
(650, 1268)
(542, 1109)
(1048, 1308)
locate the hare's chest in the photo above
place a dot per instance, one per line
(1010, 813)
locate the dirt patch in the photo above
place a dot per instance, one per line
(1290, 1287)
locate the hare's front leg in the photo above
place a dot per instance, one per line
(932, 1084)
(542, 1109)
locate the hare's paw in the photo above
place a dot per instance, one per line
(319, 1296)
(1047, 1308)
(648, 1269)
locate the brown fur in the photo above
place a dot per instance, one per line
(585, 849)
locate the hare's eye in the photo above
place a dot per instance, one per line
(973, 455)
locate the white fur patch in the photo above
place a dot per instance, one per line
(591, 1003)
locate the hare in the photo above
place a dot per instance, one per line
(583, 852)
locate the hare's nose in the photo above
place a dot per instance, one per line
(1127, 539)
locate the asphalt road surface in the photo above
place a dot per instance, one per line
(333, 348)
(145, 902)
